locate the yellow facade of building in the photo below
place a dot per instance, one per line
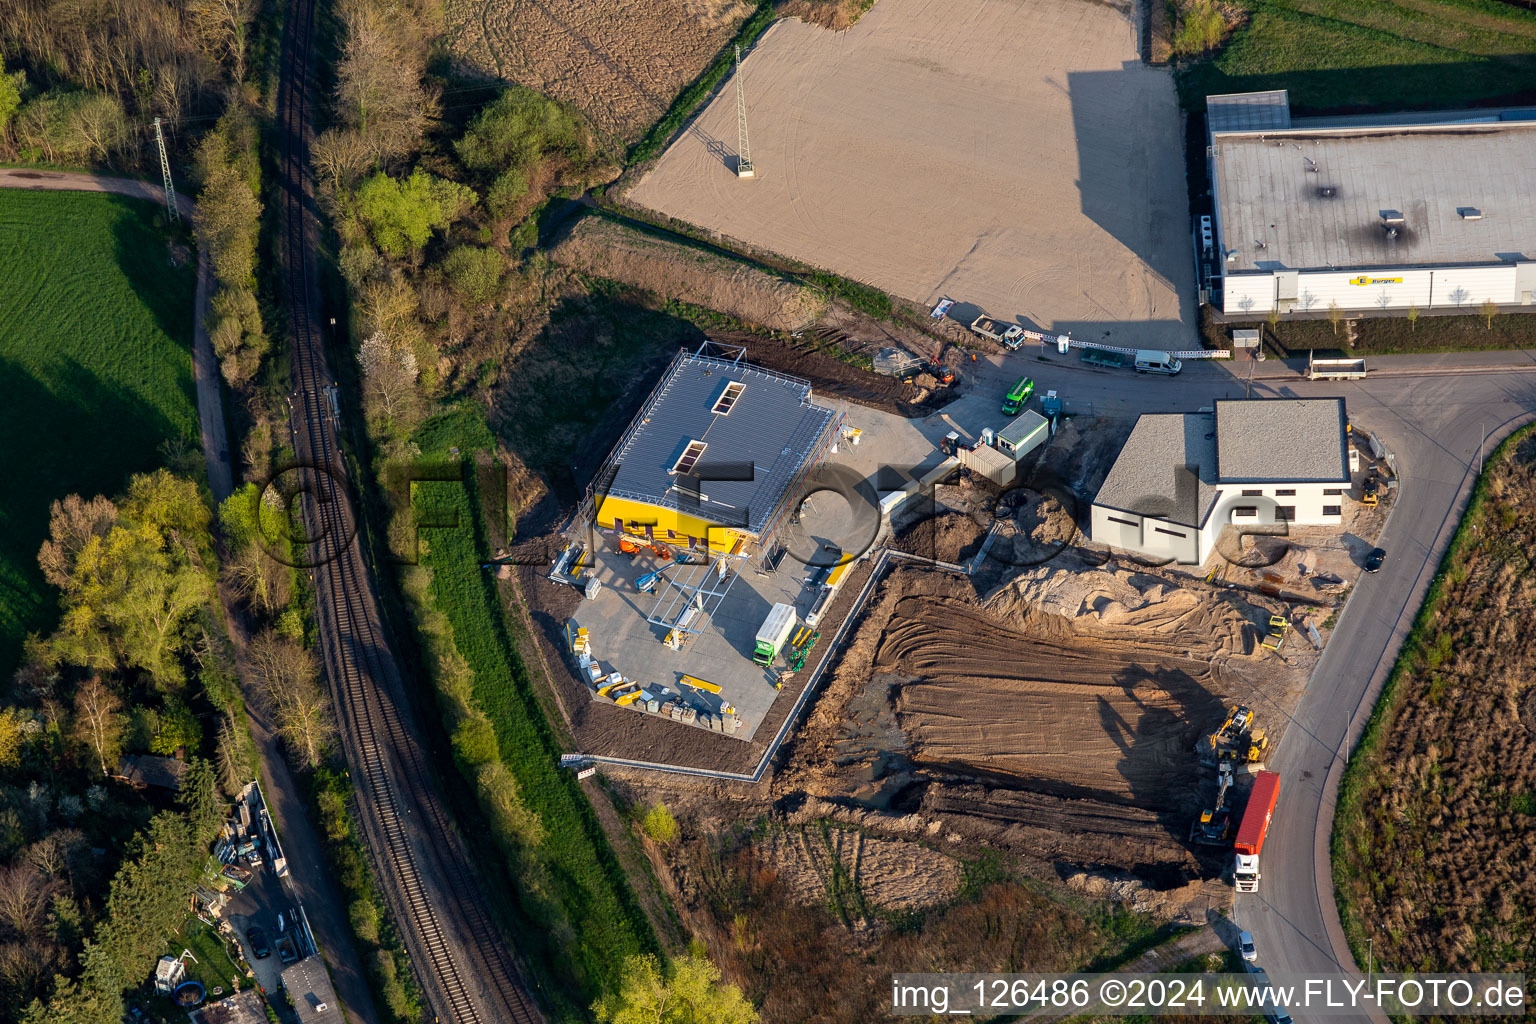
(668, 526)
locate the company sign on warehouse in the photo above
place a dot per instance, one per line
(1435, 214)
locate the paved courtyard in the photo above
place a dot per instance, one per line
(622, 640)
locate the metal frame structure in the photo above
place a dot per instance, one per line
(165, 172)
(744, 167)
(703, 587)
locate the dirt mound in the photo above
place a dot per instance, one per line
(606, 249)
(947, 537)
(893, 874)
(1127, 605)
(1088, 832)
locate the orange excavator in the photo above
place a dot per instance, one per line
(632, 547)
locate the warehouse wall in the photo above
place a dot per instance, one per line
(1378, 290)
(1153, 537)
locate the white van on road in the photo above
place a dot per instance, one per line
(1153, 361)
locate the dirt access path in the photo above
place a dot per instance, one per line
(205, 365)
(1016, 157)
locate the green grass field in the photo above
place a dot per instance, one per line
(588, 884)
(95, 356)
(1338, 55)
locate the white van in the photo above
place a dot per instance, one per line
(1153, 361)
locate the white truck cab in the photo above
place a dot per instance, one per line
(1153, 361)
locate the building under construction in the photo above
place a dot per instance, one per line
(714, 459)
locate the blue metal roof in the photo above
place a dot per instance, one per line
(753, 452)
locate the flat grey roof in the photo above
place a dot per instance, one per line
(1144, 479)
(1248, 111)
(1281, 440)
(770, 432)
(1022, 427)
(309, 988)
(1266, 191)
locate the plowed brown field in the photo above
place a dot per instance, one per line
(620, 62)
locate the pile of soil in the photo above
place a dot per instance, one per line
(1131, 605)
(947, 537)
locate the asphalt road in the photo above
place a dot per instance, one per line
(1434, 413)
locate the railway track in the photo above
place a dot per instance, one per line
(421, 860)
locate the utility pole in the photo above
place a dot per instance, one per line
(1480, 449)
(743, 153)
(165, 171)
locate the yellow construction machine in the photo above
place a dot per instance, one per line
(1236, 739)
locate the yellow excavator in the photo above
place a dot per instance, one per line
(1236, 739)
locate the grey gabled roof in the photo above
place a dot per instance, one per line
(1144, 478)
(764, 441)
(1282, 440)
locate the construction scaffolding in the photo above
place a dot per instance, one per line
(686, 602)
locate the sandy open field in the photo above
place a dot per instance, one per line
(1010, 154)
(621, 62)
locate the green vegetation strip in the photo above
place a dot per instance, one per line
(1427, 647)
(95, 352)
(690, 98)
(1353, 54)
(598, 922)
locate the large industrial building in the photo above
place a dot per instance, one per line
(1433, 211)
(713, 458)
(1181, 477)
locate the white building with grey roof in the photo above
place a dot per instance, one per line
(1182, 477)
(1433, 211)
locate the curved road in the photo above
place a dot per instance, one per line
(1433, 412)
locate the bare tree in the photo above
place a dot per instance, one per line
(225, 24)
(288, 684)
(54, 854)
(1489, 309)
(24, 895)
(256, 577)
(1335, 314)
(99, 719)
(341, 155)
(379, 78)
(389, 376)
(72, 522)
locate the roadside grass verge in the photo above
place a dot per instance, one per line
(1438, 789)
(584, 917)
(1337, 55)
(96, 356)
(1381, 336)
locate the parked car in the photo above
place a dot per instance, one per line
(1245, 947)
(258, 940)
(1374, 559)
(1278, 1016)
